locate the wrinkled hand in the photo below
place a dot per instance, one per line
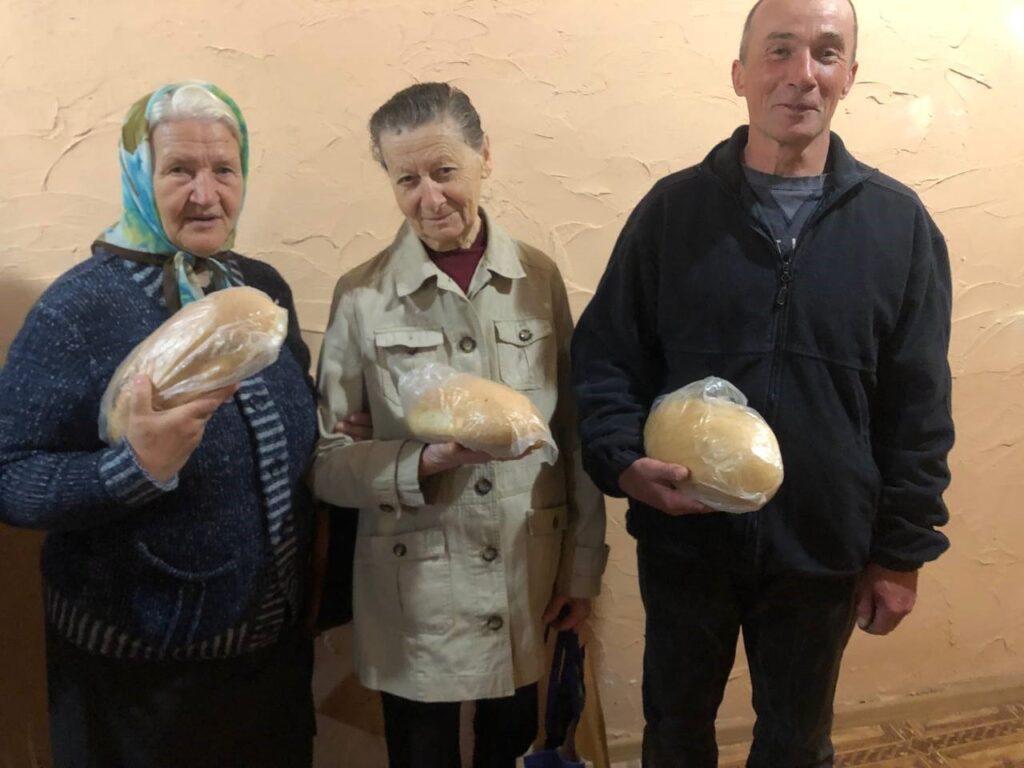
(884, 597)
(566, 612)
(358, 426)
(163, 440)
(655, 484)
(438, 457)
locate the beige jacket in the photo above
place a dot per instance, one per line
(451, 579)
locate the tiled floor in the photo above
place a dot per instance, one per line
(986, 738)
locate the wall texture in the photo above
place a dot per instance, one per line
(587, 103)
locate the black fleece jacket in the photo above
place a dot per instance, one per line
(841, 346)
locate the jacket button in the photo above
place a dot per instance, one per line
(399, 550)
(483, 486)
(490, 554)
(467, 344)
(495, 623)
(387, 508)
(525, 335)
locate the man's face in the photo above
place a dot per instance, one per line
(798, 65)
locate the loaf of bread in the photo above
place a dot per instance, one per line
(732, 454)
(443, 405)
(219, 340)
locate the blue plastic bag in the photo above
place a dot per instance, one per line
(566, 696)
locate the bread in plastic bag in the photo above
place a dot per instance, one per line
(731, 452)
(221, 339)
(443, 405)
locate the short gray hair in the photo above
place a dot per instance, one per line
(193, 102)
(745, 39)
(425, 103)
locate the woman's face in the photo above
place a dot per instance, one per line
(437, 178)
(197, 183)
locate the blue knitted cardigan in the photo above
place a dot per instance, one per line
(210, 565)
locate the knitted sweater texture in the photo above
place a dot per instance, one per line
(134, 568)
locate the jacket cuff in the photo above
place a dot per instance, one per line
(904, 542)
(588, 565)
(893, 564)
(407, 474)
(612, 463)
(125, 479)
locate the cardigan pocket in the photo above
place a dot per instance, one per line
(171, 603)
(410, 578)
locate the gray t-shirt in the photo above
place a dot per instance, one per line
(784, 203)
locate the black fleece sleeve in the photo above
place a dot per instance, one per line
(616, 355)
(912, 429)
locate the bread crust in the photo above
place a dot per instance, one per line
(207, 344)
(479, 414)
(731, 452)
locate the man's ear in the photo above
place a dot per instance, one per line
(850, 77)
(738, 77)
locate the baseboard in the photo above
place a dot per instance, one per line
(956, 697)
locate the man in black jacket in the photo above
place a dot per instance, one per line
(821, 288)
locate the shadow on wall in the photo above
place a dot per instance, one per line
(349, 718)
(24, 739)
(23, 730)
(17, 295)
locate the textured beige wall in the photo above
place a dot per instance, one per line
(587, 103)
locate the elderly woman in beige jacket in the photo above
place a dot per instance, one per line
(461, 562)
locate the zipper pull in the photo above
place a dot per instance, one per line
(786, 276)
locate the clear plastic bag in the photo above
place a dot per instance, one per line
(732, 454)
(219, 340)
(444, 405)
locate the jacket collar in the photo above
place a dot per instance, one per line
(725, 162)
(413, 267)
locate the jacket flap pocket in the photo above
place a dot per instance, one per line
(522, 332)
(414, 338)
(427, 544)
(547, 521)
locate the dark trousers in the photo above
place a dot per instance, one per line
(254, 711)
(426, 734)
(795, 628)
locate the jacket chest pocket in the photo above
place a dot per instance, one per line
(400, 350)
(409, 579)
(526, 352)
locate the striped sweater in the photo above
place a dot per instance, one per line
(208, 565)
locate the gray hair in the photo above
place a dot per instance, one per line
(193, 102)
(745, 39)
(425, 103)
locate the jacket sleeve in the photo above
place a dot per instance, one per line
(368, 474)
(584, 553)
(617, 362)
(912, 427)
(48, 409)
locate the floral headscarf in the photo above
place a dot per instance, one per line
(139, 230)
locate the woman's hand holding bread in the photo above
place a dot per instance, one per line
(163, 440)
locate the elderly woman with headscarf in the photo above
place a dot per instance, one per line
(174, 566)
(460, 562)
